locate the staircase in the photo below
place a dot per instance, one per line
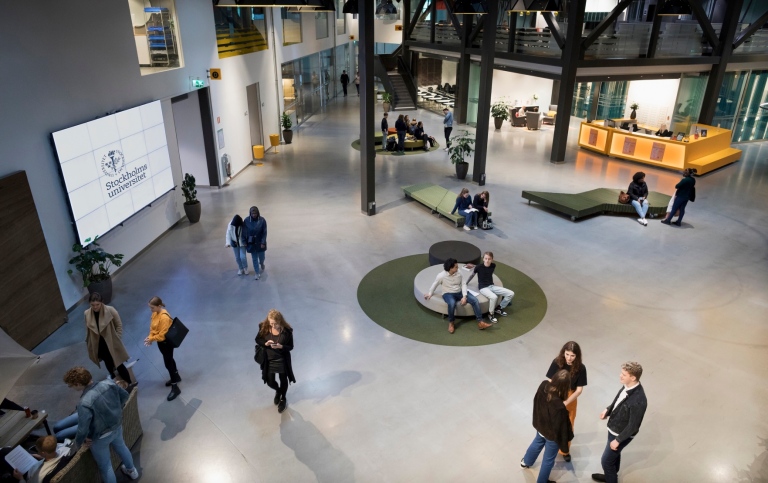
(401, 96)
(397, 80)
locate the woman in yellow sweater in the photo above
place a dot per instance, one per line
(158, 327)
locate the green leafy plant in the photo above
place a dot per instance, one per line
(634, 106)
(535, 97)
(386, 97)
(285, 121)
(500, 109)
(93, 262)
(461, 147)
(188, 188)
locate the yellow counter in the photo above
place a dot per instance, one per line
(704, 154)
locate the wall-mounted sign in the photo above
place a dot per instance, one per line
(196, 83)
(351, 37)
(215, 74)
(398, 28)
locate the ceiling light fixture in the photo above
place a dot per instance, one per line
(536, 6)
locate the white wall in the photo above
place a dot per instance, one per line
(656, 99)
(521, 88)
(189, 134)
(448, 72)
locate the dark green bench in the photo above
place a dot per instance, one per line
(601, 200)
(438, 199)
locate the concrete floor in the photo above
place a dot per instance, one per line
(689, 304)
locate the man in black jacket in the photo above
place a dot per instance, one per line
(686, 192)
(625, 414)
(344, 81)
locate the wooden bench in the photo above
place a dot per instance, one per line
(438, 199)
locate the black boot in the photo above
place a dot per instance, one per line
(281, 405)
(175, 391)
(277, 397)
(171, 381)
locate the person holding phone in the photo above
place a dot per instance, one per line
(569, 359)
(158, 326)
(276, 337)
(638, 194)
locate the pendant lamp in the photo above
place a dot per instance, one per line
(675, 8)
(536, 6)
(350, 6)
(386, 7)
(470, 7)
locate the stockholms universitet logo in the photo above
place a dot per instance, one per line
(113, 162)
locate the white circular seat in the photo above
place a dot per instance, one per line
(426, 278)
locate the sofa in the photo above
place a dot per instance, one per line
(516, 121)
(533, 120)
(549, 116)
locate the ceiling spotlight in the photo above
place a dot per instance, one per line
(350, 6)
(675, 8)
(470, 7)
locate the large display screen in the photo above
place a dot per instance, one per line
(113, 167)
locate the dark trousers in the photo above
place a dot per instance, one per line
(401, 141)
(106, 358)
(357, 86)
(282, 389)
(344, 86)
(611, 459)
(679, 204)
(166, 350)
(447, 135)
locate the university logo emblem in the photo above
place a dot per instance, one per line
(113, 162)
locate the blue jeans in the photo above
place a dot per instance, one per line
(401, 141)
(66, 428)
(679, 204)
(100, 452)
(470, 217)
(258, 260)
(241, 258)
(532, 454)
(453, 298)
(641, 209)
(611, 459)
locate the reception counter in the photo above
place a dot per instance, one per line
(705, 154)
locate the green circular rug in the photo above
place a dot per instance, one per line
(381, 150)
(386, 296)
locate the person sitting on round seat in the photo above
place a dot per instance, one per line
(463, 204)
(638, 193)
(420, 135)
(492, 292)
(455, 289)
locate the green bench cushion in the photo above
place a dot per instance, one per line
(430, 197)
(599, 200)
(446, 205)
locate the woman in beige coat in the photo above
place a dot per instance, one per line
(103, 337)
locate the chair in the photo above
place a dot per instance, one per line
(516, 121)
(549, 117)
(447, 87)
(430, 89)
(533, 120)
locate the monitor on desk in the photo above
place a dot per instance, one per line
(609, 123)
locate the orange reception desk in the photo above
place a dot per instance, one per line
(705, 154)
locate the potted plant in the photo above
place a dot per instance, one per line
(634, 107)
(500, 112)
(386, 98)
(285, 120)
(192, 206)
(461, 148)
(94, 264)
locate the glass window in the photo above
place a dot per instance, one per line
(240, 30)
(156, 34)
(341, 18)
(752, 121)
(728, 101)
(321, 24)
(291, 27)
(688, 103)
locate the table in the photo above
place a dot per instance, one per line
(15, 426)
(463, 252)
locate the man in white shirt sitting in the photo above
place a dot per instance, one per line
(52, 459)
(455, 290)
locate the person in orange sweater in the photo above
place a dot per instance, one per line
(158, 327)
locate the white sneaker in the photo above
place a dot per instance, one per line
(640, 220)
(245, 271)
(492, 318)
(645, 222)
(467, 228)
(257, 276)
(240, 272)
(133, 474)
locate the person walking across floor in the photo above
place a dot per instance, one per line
(569, 359)
(464, 205)
(401, 128)
(100, 422)
(236, 240)
(455, 290)
(276, 338)
(104, 337)
(625, 414)
(344, 81)
(550, 419)
(448, 126)
(685, 192)
(256, 239)
(357, 83)
(158, 326)
(492, 292)
(480, 203)
(638, 195)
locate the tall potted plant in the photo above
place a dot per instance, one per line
(386, 99)
(500, 112)
(285, 120)
(461, 148)
(94, 264)
(634, 107)
(192, 206)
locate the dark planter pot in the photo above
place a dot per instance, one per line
(287, 136)
(498, 121)
(104, 288)
(193, 211)
(461, 170)
(633, 114)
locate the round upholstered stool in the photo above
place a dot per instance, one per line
(462, 251)
(426, 278)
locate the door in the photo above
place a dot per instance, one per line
(254, 114)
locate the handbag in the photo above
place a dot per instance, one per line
(692, 196)
(623, 198)
(176, 333)
(260, 356)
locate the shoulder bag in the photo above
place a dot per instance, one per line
(176, 333)
(260, 356)
(623, 198)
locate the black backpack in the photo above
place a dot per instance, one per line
(391, 144)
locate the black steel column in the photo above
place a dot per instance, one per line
(406, 12)
(655, 29)
(567, 80)
(432, 21)
(367, 110)
(462, 75)
(488, 51)
(724, 51)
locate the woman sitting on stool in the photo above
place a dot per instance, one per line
(464, 203)
(638, 193)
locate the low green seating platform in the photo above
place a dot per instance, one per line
(413, 144)
(600, 201)
(437, 199)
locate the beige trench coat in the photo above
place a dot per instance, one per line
(111, 329)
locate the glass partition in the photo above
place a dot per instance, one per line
(341, 18)
(729, 99)
(473, 97)
(688, 103)
(321, 25)
(752, 121)
(291, 27)
(240, 30)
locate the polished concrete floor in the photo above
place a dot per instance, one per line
(690, 304)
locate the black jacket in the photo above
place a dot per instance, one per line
(400, 125)
(626, 418)
(344, 79)
(685, 188)
(286, 340)
(550, 418)
(636, 191)
(384, 124)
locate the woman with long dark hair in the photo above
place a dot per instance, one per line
(158, 326)
(276, 337)
(638, 194)
(550, 419)
(569, 359)
(104, 337)
(464, 203)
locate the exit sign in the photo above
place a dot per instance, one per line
(196, 83)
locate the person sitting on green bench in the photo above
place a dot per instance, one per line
(464, 205)
(638, 193)
(455, 289)
(420, 135)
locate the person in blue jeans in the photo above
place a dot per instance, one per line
(686, 192)
(66, 428)
(236, 240)
(552, 424)
(455, 290)
(638, 194)
(401, 128)
(463, 204)
(100, 422)
(256, 239)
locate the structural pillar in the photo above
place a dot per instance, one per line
(488, 51)
(462, 75)
(570, 58)
(367, 110)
